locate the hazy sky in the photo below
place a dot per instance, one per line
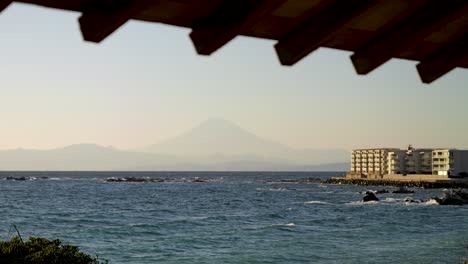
(145, 84)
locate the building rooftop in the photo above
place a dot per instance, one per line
(434, 33)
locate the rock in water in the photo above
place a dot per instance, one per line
(370, 196)
(455, 197)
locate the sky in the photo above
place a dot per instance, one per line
(145, 84)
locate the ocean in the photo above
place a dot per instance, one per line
(230, 217)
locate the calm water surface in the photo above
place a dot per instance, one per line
(235, 217)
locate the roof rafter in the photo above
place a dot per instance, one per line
(4, 4)
(102, 17)
(444, 60)
(428, 19)
(309, 37)
(228, 21)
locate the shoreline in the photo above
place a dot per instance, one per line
(445, 184)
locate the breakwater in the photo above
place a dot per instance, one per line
(448, 184)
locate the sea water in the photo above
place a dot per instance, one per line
(231, 217)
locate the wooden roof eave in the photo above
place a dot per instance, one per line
(375, 30)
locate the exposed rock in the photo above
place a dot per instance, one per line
(11, 178)
(410, 200)
(370, 196)
(455, 197)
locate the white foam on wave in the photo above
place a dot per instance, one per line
(284, 225)
(431, 202)
(391, 200)
(316, 202)
(278, 189)
(362, 203)
(273, 189)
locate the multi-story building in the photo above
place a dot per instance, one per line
(396, 162)
(370, 161)
(410, 161)
(450, 162)
(393, 161)
(418, 161)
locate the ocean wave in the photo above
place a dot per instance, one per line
(362, 203)
(421, 202)
(392, 200)
(273, 189)
(316, 202)
(284, 225)
(56, 179)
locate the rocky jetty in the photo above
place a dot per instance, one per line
(22, 178)
(449, 184)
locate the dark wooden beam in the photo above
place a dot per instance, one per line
(102, 17)
(425, 21)
(309, 36)
(4, 4)
(229, 20)
(444, 60)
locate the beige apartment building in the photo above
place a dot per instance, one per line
(450, 162)
(370, 161)
(393, 161)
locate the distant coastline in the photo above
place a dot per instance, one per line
(426, 184)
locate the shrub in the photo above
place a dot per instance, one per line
(40, 250)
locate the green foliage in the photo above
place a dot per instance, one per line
(41, 251)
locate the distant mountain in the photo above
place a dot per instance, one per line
(214, 145)
(78, 157)
(217, 136)
(221, 138)
(89, 157)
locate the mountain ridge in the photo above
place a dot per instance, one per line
(215, 144)
(219, 136)
(97, 158)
